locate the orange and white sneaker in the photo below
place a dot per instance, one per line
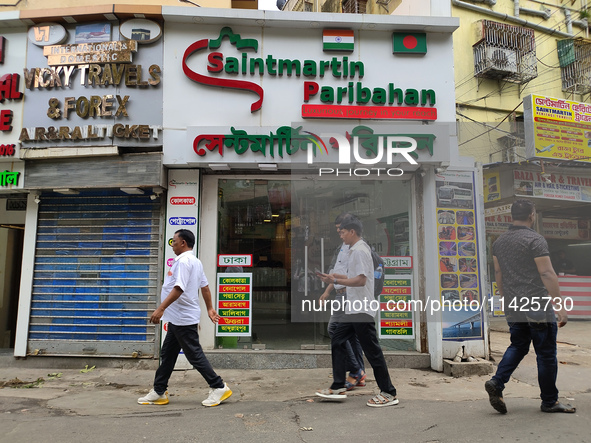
(216, 396)
(154, 398)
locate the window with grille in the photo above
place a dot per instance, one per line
(574, 56)
(354, 6)
(96, 274)
(505, 52)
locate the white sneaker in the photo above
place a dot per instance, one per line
(216, 396)
(154, 399)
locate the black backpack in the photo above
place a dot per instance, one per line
(378, 275)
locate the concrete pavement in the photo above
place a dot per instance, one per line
(279, 405)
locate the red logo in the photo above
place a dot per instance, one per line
(165, 327)
(182, 201)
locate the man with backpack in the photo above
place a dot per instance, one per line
(338, 265)
(360, 311)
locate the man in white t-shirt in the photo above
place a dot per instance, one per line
(180, 308)
(355, 363)
(360, 312)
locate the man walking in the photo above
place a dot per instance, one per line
(359, 319)
(529, 287)
(355, 363)
(180, 307)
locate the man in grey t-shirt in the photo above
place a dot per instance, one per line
(529, 288)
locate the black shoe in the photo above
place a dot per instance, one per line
(558, 407)
(495, 396)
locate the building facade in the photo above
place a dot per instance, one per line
(255, 132)
(523, 81)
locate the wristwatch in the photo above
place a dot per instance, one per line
(335, 281)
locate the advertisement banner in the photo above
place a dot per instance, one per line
(556, 186)
(458, 256)
(557, 129)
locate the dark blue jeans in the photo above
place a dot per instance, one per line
(355, 362)
(362, 326)
(187, 339)
(543, 337)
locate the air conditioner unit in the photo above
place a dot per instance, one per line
(500, 59)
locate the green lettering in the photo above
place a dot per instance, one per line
(411, 97)
(327, 94)
(232, 65)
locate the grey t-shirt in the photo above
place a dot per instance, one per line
(516, 251)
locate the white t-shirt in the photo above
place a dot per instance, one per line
(360, 263)
(340, 266)
(186, 273)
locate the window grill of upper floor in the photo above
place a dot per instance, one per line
(505, 52)
(354, 6)
(574, 56)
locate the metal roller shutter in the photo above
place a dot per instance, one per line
(96, 274)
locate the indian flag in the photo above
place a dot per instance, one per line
(338, 40)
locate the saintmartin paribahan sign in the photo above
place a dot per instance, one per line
(352, 99)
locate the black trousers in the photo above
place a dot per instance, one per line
(187, 339)
(363, 326)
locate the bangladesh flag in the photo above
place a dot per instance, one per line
(338, 40)
(410, 43)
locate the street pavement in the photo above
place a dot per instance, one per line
(279, 405)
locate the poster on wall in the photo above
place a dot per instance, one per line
(457, 243)
(557, 129)
(497, 302)
(492, 186)
(396, 313)
(234, 296)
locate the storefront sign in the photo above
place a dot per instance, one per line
(234, 299)
(396, 309)
(565, 229)
(552, 185)
(182, 200)
(335, 100)
(9, 90)
(557, 129)
(397, 262)
(9, 179)
(244, 260)
(182, 221)
(16, 204)
(497, 224)
(497, 210)
(102, 52)
(90, 94)
(289, 141)
(46, 34)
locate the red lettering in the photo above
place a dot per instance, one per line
(5, 120)
(216, 60)
(310, 88)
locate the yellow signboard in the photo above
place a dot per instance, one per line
(557, 129)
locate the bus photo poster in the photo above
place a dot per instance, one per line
(457, 243)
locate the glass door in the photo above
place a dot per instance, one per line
(288, 227)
